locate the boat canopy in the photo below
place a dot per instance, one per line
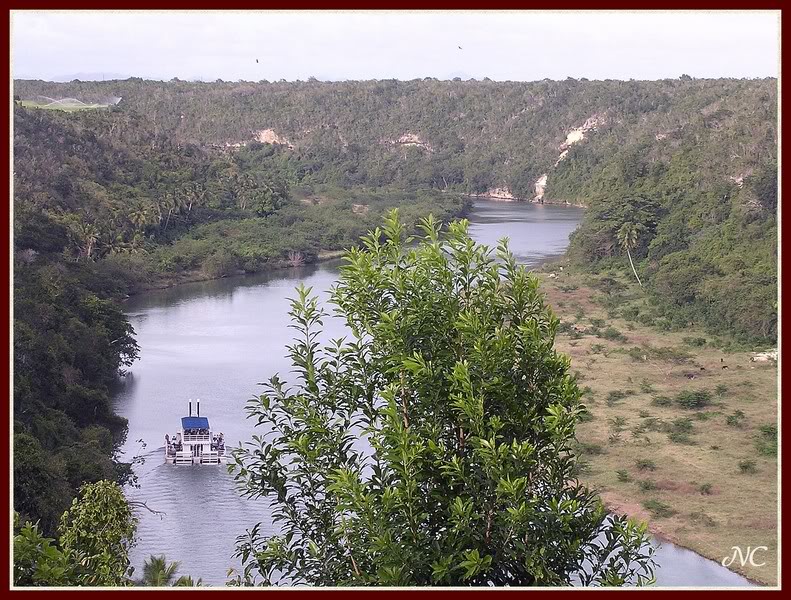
(194, 423)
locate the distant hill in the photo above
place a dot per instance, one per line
(691, 162)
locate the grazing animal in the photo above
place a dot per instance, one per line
(724, 366)
(689, 375)
(703, 368)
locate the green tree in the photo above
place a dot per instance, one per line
(436, 447)
(37, 559)
(627, 238)
(100, 528)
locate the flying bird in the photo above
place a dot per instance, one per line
(256, 61)
(460, 48)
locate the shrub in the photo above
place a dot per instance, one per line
(623, 475)
(766, 443)
(659, 509)
(702, 518)
(646, 485)
(747, 466)
(592, 449)
(736, 419)
(696, 342)
(645, 464)
(680, 437)
(721, 390)
(630, 313)
(596, 348)
(597, 322)
(220, 264)
(613, 335)
(661, 401)
(706, 489)
(615, 396)
(693, 399)
(646, 387)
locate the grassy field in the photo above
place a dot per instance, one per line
(64, 107)
(680, 432)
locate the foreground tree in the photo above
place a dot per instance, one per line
(93, 550)
(99, 529)
(435, 448)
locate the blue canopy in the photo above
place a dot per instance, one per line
(194, 423)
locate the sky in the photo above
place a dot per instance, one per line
(332, 46)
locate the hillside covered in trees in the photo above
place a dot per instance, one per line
(690, 163)
(183, 180)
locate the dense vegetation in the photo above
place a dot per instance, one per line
(70, 340)
(691, 164)
(467, 474)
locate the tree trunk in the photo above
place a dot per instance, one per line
(629, 254)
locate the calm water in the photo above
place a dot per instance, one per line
(216, 340)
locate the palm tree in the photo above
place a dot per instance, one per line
(139, 217)
(627, 238)
(157, 572)
(88, 236)
(186, 581)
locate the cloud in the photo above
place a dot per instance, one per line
(521, 45)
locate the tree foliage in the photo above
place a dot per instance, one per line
(93, 548)
(435, 446)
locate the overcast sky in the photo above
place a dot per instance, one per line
(294, 45)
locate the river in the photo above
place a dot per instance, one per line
(216, 340)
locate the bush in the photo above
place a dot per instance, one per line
(615, 396)
(645, 464)
(646, 485)
(659, 509)
(646, 387)
(661, 401)
(747, 466)
(695, 342)
(693, 399)
(767, 440)
(736, 419)
(220, 264)
(702, 518)
(592, 449)
(706, 489)
(623, 475)
(613, 335)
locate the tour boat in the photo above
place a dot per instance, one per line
(195, 444)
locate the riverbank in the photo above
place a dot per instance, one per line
(678, 433)
(496, 198)
(196, 276)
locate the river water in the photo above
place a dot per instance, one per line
(216, 340)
